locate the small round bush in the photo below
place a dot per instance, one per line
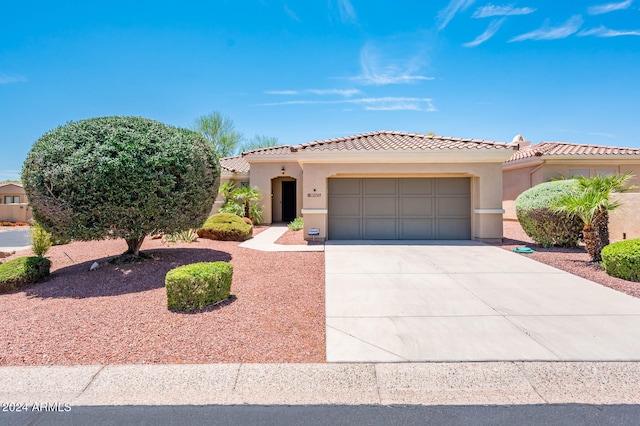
(22, 271)
(198, 285)
(540, 222)
(225, 227)
(622, 259)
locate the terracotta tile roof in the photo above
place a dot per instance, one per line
(235, 164)
(273, 150)
(12, 183)
(567, 148)
(385, 140)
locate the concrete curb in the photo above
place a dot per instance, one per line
(265, 241)
(490, 383)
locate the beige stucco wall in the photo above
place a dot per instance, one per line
(486, 196)
(624, 222)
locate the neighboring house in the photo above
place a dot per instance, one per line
(13, 203)
(381, 185)
(534, 164)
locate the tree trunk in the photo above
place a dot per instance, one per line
(134, 246)
(591, 242)
(246, 209)
(601, 225)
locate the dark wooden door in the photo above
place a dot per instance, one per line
(288, 201)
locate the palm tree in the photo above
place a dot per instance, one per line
(587, 205)
(609, 185)
(244, 196)
(226, 190)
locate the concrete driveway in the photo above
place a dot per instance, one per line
(467, 301)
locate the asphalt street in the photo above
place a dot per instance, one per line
(15, 237)
(282, 415)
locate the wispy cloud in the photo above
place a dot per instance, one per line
(609, 7)
(389, 103)
(345, 10)
(374, 73)
(341, 92)
(602, 31)
(291, 14)
(493, 27)
(490, 10)
(8, 79)
(455, 6)
(552, 33)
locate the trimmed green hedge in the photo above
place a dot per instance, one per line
(540, 222)
(622, 259)
(226, 227)
(22, 271)
(198, 285)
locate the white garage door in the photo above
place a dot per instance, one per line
(399, 209)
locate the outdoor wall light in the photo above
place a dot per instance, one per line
(282, 169)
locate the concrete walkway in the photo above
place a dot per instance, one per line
(351, 384)
(467, 301)
(265, 241)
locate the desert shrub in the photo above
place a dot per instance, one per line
(534, 208)
(225, 227)
(40, 239)
(120, 177)
(198, 285)
(622, 259)
(296, 224)
(247, 221)
(22, 271)
(187, 236)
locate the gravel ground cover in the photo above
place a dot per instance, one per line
(117, 314)
(573, 260)
(295, 238)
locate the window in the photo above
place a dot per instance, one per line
(243, 184)
(8, 199)
(579, 172)
(606, 172)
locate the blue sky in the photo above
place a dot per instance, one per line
(302, 70)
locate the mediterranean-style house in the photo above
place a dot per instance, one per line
(395, 185)
(13, 203)
(380, 185)
(534, 164)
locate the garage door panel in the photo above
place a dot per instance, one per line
(380, 187)
(453, 186)
(418, 207)
(453, 207)
(345, 206)
(345, 229)
(380, 229)
(416, 186)
(344, 187)
(417, 229)
(453, 229)
(380, 206)
(399, 208)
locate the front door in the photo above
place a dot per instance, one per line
(288, 200)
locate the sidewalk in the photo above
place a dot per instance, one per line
(491, 383)
(265, 241)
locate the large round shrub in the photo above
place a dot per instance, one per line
(540, 222)
(226, 227)
(120, 177)
(622, 259)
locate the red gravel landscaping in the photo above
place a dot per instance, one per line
(117, 314)
(573, 260)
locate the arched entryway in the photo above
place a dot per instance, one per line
(284, 199)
